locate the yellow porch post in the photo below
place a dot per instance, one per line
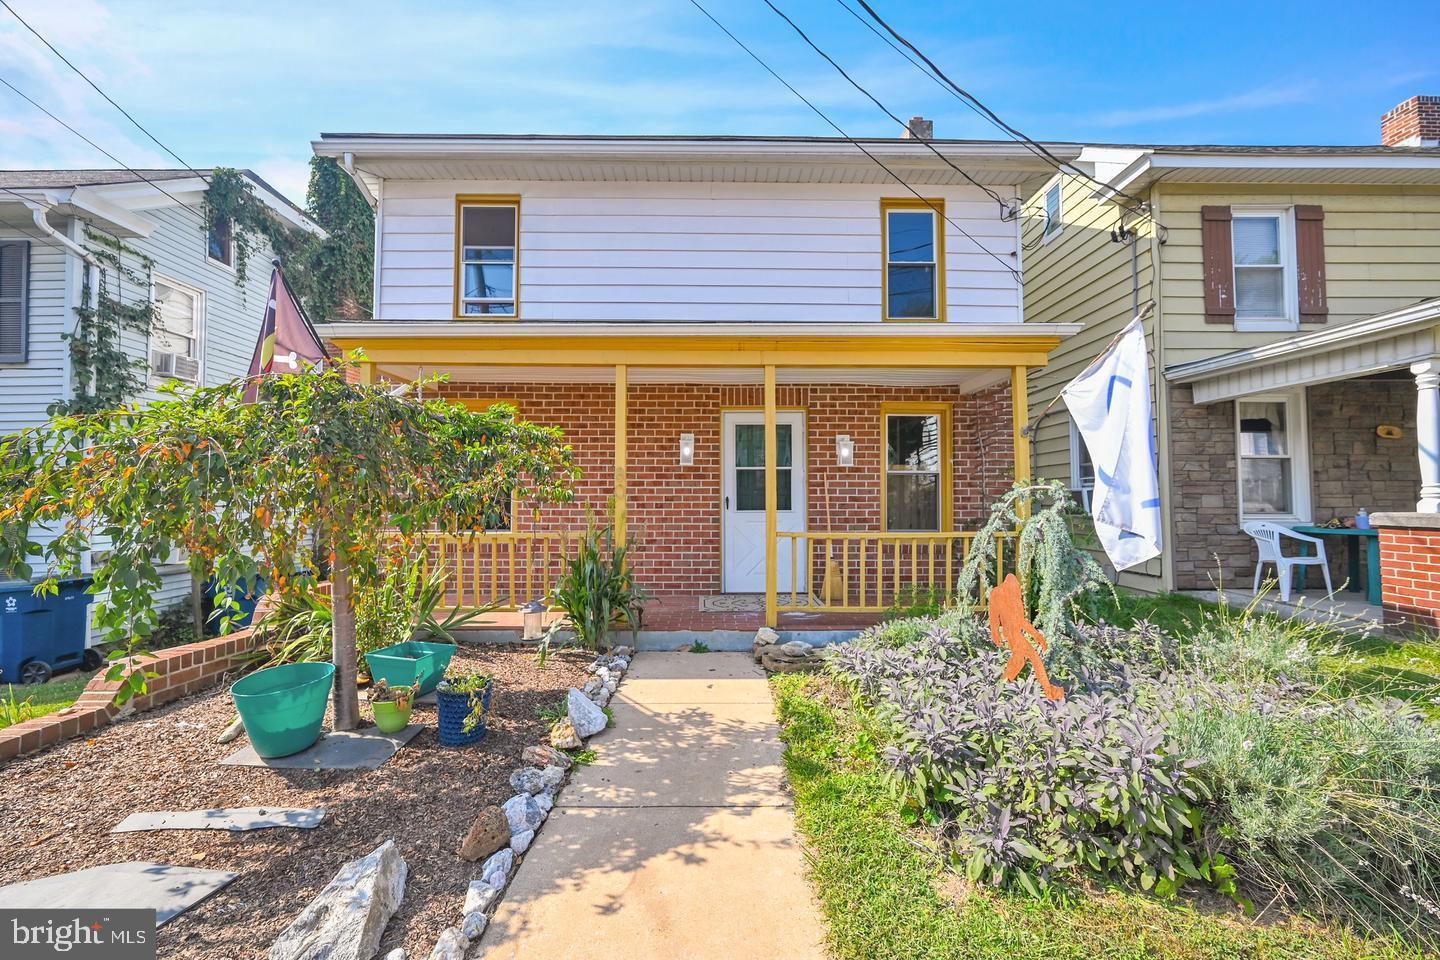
(772, 454)
(1019, 419)
(622, 415)
(367, 373)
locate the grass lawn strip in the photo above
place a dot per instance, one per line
(885, 895)
(44, 698)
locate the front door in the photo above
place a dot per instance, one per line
(744, 497)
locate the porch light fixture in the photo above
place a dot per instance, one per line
(844, 450)
(687, 449)
(534, 620)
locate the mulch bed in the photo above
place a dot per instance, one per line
(57, 807)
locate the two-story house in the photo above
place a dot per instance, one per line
(60, 229)
(794, 379)
(1296, 296)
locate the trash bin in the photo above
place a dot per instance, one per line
(246, 594)
(41, 636)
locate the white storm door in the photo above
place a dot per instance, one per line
(743, 493)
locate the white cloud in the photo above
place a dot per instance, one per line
(1257, 99)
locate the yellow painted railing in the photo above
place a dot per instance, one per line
(872, 571)
(501, 569)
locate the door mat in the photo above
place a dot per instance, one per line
(363, 749)
(137, 885)
(750, 602)
(234, 819)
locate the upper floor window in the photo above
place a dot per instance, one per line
(1053, 212)
(175, 337)
(220, 243)
(488, 257)
(14, 292)
(917, 466)
(1264, 268)
(914, 244)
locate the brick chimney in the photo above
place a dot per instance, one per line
(921, 129)
(1415, 123)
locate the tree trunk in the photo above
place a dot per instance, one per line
(342, 637)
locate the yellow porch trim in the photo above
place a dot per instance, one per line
(958, 351)
(622, 418)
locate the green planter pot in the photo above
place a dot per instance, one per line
(390, 717)
(283, 707)
(414, 663)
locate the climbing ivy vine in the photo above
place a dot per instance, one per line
(231, 200)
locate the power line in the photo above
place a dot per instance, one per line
(111, 100)
(853, 142)
(20, 93)
(1005, 207)
(1039, 149)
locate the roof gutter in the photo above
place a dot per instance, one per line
(347, 163)
(38, 211)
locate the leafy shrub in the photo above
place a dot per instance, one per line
(1026, 787)
(596, 589)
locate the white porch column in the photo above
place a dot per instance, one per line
(1427, 432)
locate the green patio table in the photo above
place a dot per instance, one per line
(1353, 537)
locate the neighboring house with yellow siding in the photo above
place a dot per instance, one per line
(1296, 297)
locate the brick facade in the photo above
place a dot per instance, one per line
(675, 511)
(1350, 467)
(1410, 569)
(179, 672)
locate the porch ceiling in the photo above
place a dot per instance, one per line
(969, 380)
(1387, 341)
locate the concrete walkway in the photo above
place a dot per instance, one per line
(678, 843)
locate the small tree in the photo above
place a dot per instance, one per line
(245, 487)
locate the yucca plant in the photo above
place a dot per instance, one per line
(597, 590)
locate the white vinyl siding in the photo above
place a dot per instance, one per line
(28, 388)
(687, 251)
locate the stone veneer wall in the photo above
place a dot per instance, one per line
(1350, 467)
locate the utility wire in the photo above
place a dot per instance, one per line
(1005, 206)
(26, 97)
(111, 100)
(853, 142)
(1039, 149)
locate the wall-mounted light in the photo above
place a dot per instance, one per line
(687, 449)
(844, 450)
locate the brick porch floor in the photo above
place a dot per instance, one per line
(681, 611)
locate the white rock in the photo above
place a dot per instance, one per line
(521, 841)
(524, 813)
(544, 801)
(346, 919)
(451, 946)
(479, 897)
(528, 780)
(766, 635)
(585, 717)
(796, 648)
(591, 685)
(397, 954)
(621, 652)
(474, 926)
(552, 778)
(496, 870)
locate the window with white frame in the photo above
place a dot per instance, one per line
(488, 258)
(914, 251)
(1274, 475)
(1053, 211)
(175, 336)
(1082, 468)
(1262, 249)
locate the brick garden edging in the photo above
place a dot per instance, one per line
(181, 671)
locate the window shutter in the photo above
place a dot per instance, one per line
(1310, 262)
(14, 287)
(1219, 264)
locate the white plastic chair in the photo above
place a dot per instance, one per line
(1267, 537)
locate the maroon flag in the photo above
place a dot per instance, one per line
(287, 340)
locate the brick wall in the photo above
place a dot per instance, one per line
(1350, 467)
(1410, 568)
(676, 511)
(1413, 122)
(180, 671)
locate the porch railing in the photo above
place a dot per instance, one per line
(503, 570)
(871, 571)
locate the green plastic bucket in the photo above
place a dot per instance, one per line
(283, 707)
(414, 663)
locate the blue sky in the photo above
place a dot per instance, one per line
(251, 84)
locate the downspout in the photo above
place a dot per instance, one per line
(38, 212)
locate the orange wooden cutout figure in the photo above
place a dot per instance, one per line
(1007, 616)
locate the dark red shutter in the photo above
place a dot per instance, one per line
(1310, 262)
(1218, 255)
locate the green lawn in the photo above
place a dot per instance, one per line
(886, 897)
(43, 698)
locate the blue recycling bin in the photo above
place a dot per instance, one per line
(247, 594)
(41, 636)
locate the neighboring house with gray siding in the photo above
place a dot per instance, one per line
(1297, 313)
(208, 317)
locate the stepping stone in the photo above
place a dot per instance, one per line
(234, 819)
(362, 749)
(137, 885)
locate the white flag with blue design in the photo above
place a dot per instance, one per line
(1110, 405)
